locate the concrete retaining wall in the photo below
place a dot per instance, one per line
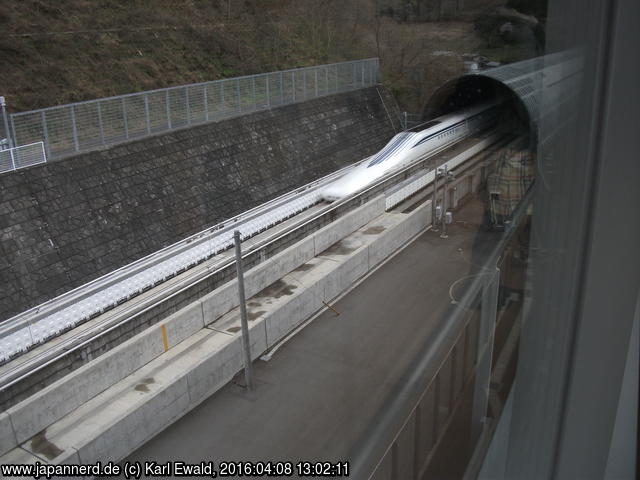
(65, 223)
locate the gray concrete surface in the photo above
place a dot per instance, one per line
(320, 390)
(37, 412)
(65, 223)
(118, 420)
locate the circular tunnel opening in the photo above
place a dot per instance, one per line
(468, 90)
(509, 169)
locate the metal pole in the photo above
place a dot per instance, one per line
(146, 113)
(281, 90)
(253, 92)
(443, 218)
(186, 98)
(100, 123)
(206, 102)
(7, 132)
(238, 94)
(248, 373)
(74, 130)
(168, 102)
(316, 75)
(223, 105)
(124, 116)
(434, 199)
(405, 120)
(293, 84)
(13, 160)
(326, 79)
(45, 132)
(268, 94)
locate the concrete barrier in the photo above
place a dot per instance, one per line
(329, 235)
(7, 436)
(120, 418)
(24, 420)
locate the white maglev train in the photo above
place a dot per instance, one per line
(413, 144)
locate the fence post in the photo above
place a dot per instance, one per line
(315, 74)
(337, 83)
(206, 102)
(73, 127)
(167, 99)
(6, 122)
(353, 75)
(434, 199)
(281, 89)
(253, 92)
(222, 104)
(443, 217)
(267, 91)
(326, 80)
(45, 132)
(186, 99)
(100, 123)
(124, 115)
(238, 93)
(304, 83)
(362, 75)
(246, 345)
(293, 84)
(43, 152)
(146, 112)
(13, 160)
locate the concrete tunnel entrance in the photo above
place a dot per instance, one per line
(534, 91)
(468, 90)
(511, 168)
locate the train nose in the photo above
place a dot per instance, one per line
(330, 197)
(331, 194)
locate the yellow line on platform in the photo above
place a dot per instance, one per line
(165, 340)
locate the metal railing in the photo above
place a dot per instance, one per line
(23, 156)
(410, 120)
(79, 127)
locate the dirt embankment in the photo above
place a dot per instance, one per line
(59, 52)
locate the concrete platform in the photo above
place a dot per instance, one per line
(59, 426)
(320, 391)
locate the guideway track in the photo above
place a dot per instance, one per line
(103, 333)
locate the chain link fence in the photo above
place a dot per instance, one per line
(78, 127)
(410, 120)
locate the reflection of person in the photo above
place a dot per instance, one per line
(508, 182)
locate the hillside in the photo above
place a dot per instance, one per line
(59, 52)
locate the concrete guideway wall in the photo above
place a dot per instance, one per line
(196, 361)
(55, 401)
(65, 223)
(127, 414)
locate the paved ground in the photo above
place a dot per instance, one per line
(323, 387)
